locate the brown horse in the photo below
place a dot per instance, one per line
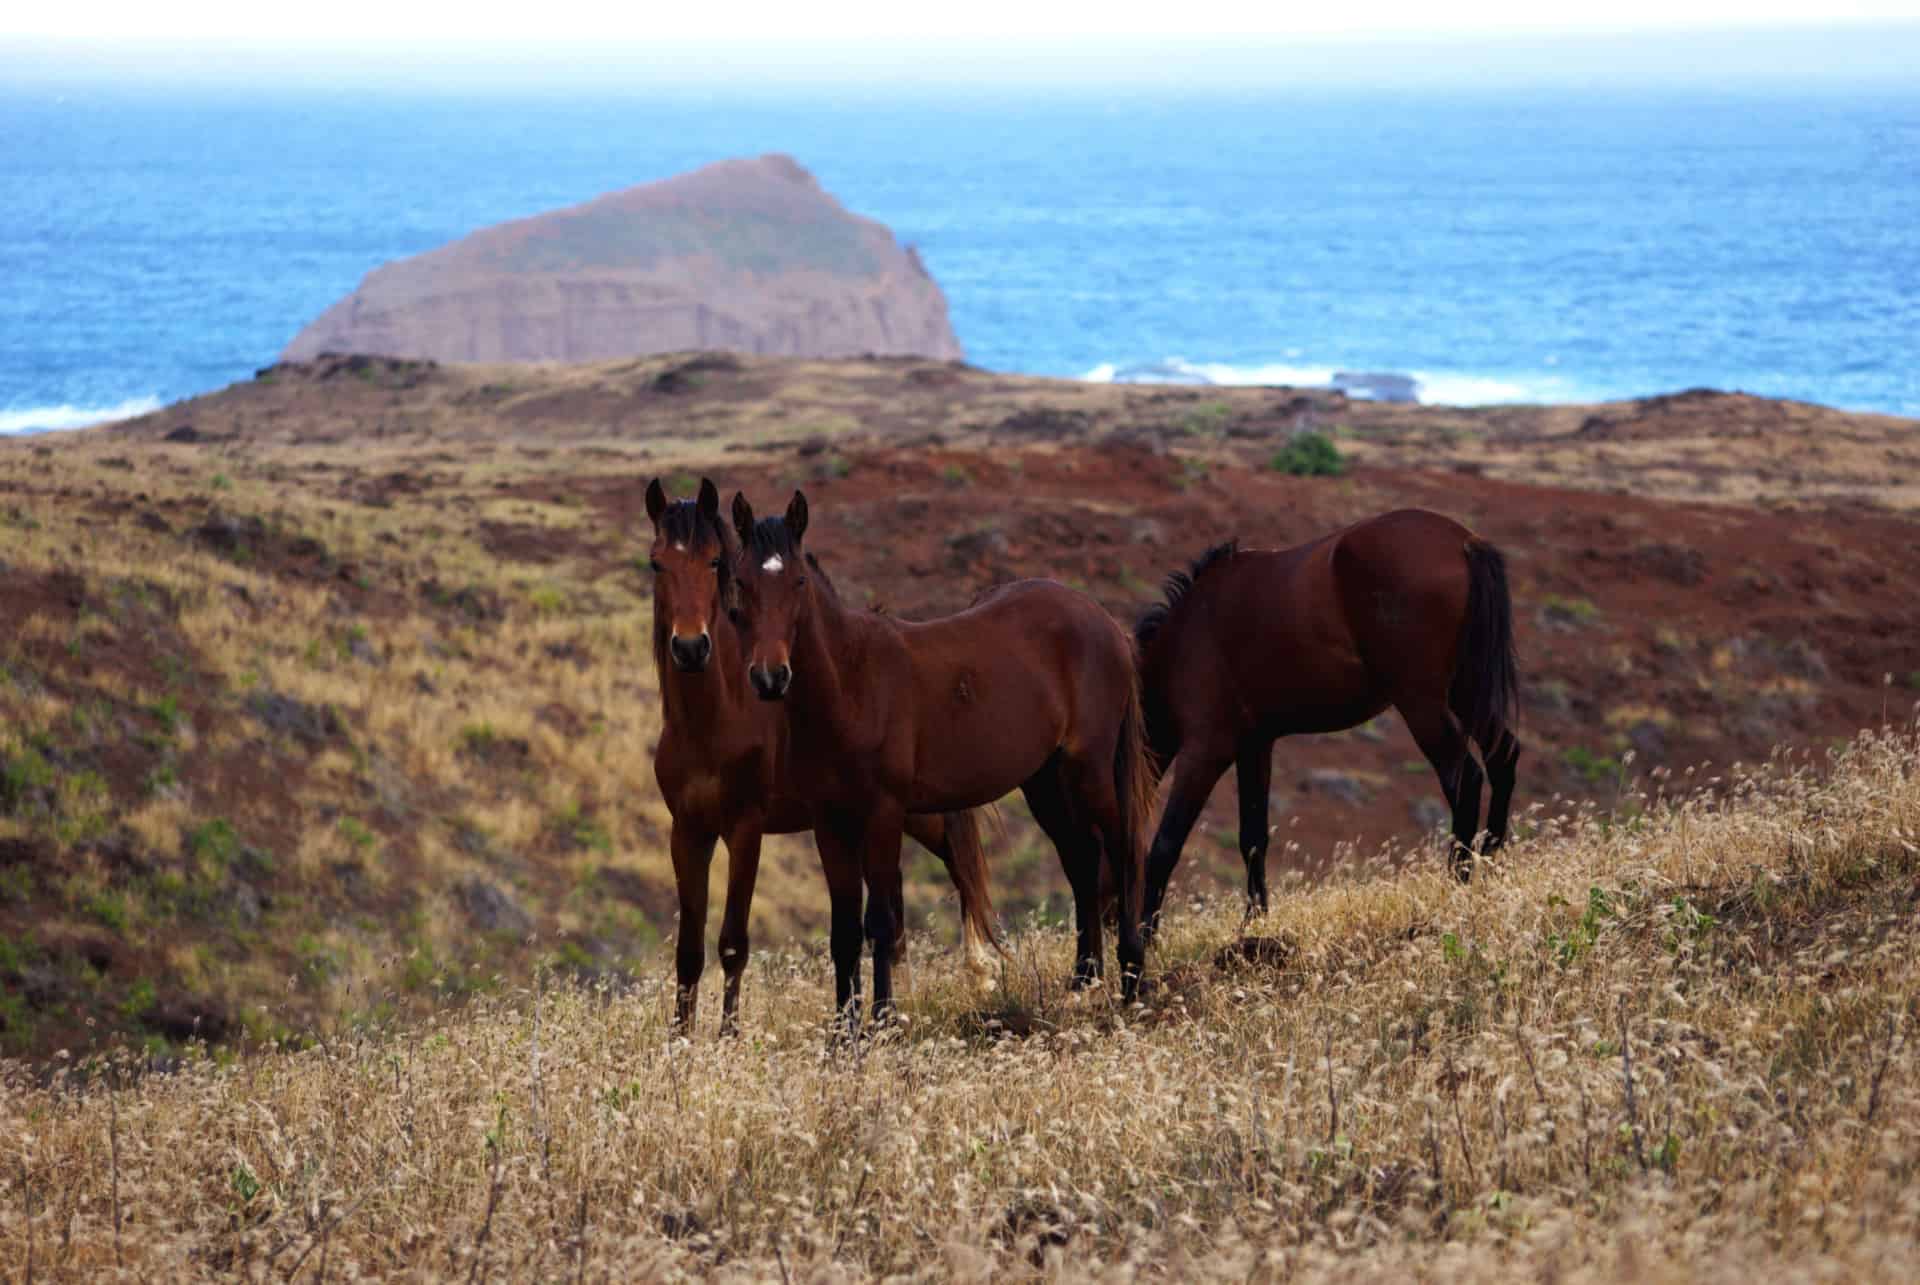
(1409, 609)
(718, 761)
(1033, 686)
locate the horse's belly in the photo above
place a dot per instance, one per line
(970, 759)
(1327, 716)
(955, 787)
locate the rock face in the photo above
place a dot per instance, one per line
(745, 255)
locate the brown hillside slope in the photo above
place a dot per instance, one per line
(351, 680)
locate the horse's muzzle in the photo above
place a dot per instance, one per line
(770, 684)
(690, 655)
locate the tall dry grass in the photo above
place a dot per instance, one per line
(1673, 1041)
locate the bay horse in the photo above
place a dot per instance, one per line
(1031, 687)
(1408, 609)
(718, 763)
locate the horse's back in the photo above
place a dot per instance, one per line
(1403, 557)
(1002, 685)
(1309, 638)
(1028, 608)
(1402, 582)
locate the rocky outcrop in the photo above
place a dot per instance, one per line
(746, 255)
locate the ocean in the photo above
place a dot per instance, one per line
(1518, 246)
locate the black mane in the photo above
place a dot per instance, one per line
(683, 523)
(826, 581)
(1178, 585)
(771, 539)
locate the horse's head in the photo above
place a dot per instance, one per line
(771, 572)
(689, 561)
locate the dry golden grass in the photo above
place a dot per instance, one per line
(1669, 1042)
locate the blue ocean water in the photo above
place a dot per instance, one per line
(1500, 246)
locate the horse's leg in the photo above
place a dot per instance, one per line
(1195, 773)
(1093, 796)
(1503, 761)
(743, 866)
(886, 901)
(692, 855)
(1255, 779)
(1047, 800)
(1438, 733)
(899, 903)
(840, 861)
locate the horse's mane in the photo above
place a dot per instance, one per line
(1178, 585)
(683, 523)
(770, 539)
(826, 581)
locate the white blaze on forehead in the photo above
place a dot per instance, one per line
(772, 564)
(680, 546)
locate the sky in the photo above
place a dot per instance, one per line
(844, 20)
(1217, 43)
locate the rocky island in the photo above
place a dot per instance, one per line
(746, 255)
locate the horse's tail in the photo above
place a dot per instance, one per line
(1486, 678)
(967, 864)
(1157, 759)
(1134, 780)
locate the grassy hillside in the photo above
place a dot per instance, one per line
(1672, 1039)
(327, 698)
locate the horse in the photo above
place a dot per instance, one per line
(1033, 686)
(719, 758)
(1408, 609)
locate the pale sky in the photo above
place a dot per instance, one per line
(976, 45)
(371, 22)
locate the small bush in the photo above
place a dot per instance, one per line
(1594, 769)
(1208, 419)
(216, 841)
(1309, 455)
(357, 834)
(109, 910)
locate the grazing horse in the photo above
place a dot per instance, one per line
(719, 758)
(1409, 609)
(1031, 687)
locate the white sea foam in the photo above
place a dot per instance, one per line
(40, 419)
(1442, 388)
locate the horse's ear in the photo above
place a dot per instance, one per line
(797, 517)
(656, 501)
(742, 517)
(709, 501)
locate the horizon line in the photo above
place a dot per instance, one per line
(1854, 51)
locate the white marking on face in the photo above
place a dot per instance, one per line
(681, 547)
(773, 564)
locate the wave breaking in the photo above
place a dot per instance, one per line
(1435, 388)
(47, 419)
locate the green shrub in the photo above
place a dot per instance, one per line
(1590, 767)
(216, 841)
(1309, 455)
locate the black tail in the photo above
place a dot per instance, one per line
(1486, 678)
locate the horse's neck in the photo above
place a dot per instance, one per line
(828, 645)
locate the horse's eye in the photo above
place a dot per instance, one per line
(654, 564)
(715, 564)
